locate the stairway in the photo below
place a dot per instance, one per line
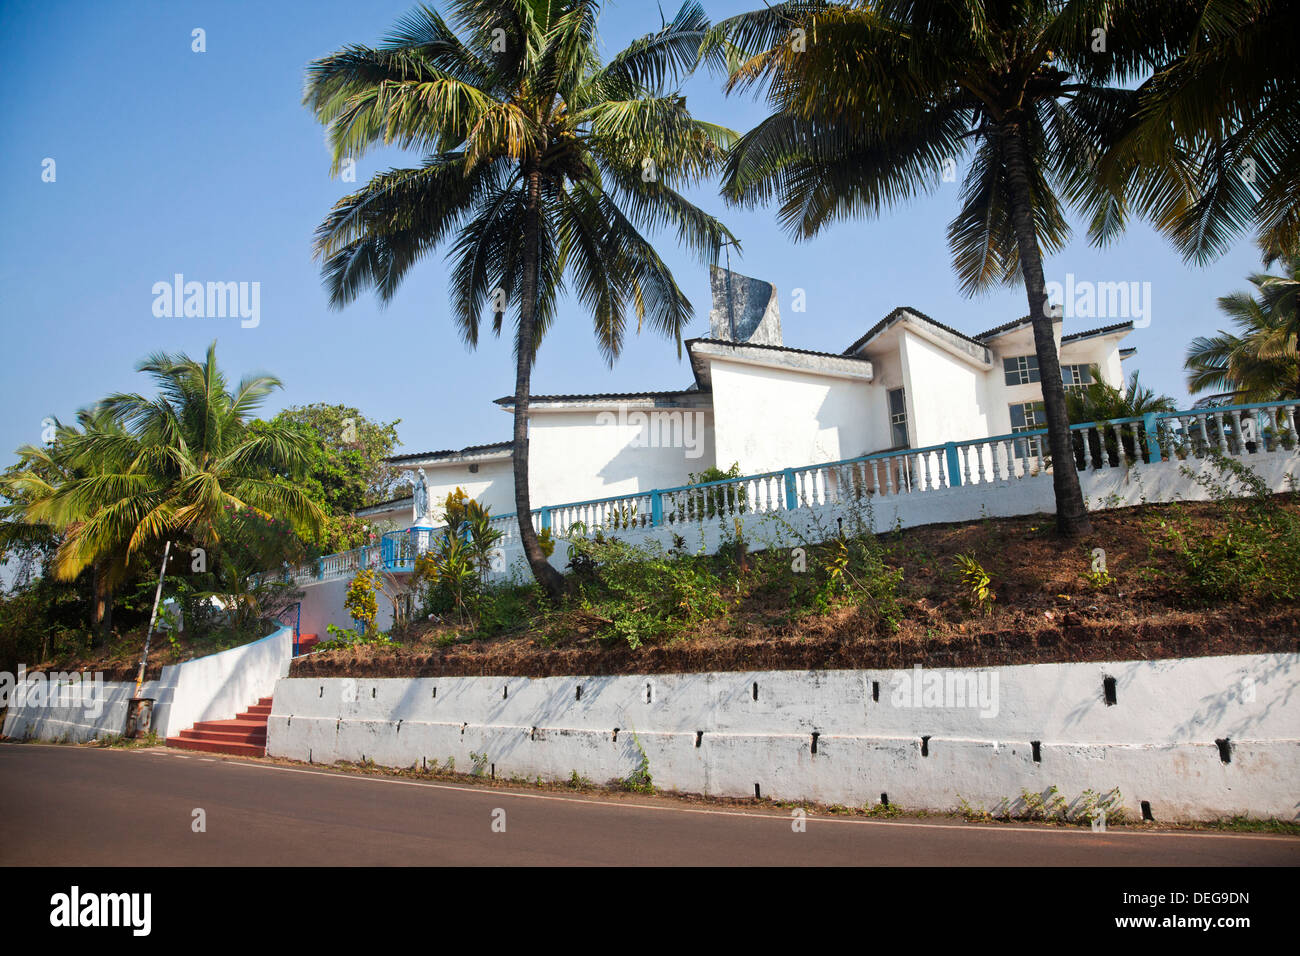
(306, 642)
(245, 736)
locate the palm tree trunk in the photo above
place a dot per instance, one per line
(1071, 515)
(546, 576)
(102, 606)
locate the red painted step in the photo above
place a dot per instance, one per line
(243, 736)
(306, 642)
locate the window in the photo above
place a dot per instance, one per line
(1077, 377)
(1028, 417)
(1021, 370)
(897, 418)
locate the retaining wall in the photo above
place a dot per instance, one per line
(1193, 738)
(215, 687)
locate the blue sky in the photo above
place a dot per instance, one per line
(170, 161)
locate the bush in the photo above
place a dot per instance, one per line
(642, 593)
(1257, 550)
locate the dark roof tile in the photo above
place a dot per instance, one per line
(452, 452)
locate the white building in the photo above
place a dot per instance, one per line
(908, 382)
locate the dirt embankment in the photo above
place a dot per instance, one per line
(1047, 610)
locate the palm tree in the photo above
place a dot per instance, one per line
(172, 467)
(40, 472)
(1102, 402)
(1217, 135)
(1261, 361)
(541, 163)
(872, 100)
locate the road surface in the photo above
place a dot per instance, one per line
(62, 806)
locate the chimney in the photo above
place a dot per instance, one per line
(744, 309)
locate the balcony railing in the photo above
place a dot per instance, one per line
(1230, 430)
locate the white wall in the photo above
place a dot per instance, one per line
(946, 396)
(1156, 743)
(768, 419)
(589, 453)
(215, 687)
(1101, 350)
(492, 485)
(219, 686)
(75, 722)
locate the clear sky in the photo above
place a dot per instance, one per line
(170, 161)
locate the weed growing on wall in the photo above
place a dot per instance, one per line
(639, 780)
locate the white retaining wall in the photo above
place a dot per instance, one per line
(215, 687)
(75, 722)
(726, 733)
(219, 686)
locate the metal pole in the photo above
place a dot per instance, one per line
(153, 617)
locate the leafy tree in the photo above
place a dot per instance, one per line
(1260, 362)
(346, 465)
(541, 163)
(871, 101)
(245, 569)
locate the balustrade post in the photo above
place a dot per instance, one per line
(791, 494)
(954, 465)
(1153, 439)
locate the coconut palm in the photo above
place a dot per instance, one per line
(40, 472)
(542, 164)
(872, 101)
(1217, 135)
(1102, 402)
(1260, 362)
(172, 467)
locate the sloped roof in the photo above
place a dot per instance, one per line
(898, 314)
(1104, 330)
(468, 450)
(509, 400)
(774, 348)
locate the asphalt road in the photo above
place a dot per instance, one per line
(64, 806)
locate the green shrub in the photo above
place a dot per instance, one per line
(976, 582)
(1254, 551)
(641, 592)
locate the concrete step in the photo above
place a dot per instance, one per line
(196, 737)
(243, 736)
(218, 747)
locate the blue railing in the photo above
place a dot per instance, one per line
(1154, 437)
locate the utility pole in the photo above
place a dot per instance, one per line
(153, 618)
